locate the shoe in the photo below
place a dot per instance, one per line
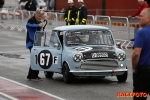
(36, 79)
(131, 39)
(39, 78)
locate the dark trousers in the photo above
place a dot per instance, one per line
(32, 73)
(82, 23)
(141, 82)
(71, 23)
(1, 6)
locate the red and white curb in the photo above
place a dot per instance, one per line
(17, 91)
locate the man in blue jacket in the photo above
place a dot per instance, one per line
(34, 24)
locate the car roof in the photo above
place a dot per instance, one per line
(80, 27)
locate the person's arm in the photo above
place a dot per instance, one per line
(84, 19)
(27, 6)
(136, 56)
(74, 14)
(35, 2)
(136, 13)
(33, 25)
(66, 15)
(138, 45)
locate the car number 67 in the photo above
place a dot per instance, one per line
(44, 59)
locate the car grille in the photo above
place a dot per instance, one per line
(99, 65)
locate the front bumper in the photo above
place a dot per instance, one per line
(98, 72)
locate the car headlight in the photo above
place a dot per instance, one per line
(121, 56)
(77, 57)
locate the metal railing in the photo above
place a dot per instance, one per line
(17, 19)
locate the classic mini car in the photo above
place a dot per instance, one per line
(78, 50)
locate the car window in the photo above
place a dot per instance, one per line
(86, 37)
(53, 40)
(42, 38)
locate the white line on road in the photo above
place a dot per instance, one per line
(7, 96)
(51, 95)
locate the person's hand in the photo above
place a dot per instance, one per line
(43, 33)
(129, 16)
(133, 70)
(41, 24)
(67, 20)
(137, 17)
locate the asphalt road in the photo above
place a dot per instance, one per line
(14, 65)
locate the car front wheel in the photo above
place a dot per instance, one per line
(123, 77)
(48, 74)
(68, 77)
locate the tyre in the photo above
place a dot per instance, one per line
(123, 77)
(68, 77)
(48, 74)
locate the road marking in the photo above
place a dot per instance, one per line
(5, 95)
(23, 92)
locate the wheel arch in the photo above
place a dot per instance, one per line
(65, 62)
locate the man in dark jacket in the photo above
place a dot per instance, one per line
(70, 13)
(2, 3)
(30, 6)
(81, 14)
(35, 1)
(34, 24)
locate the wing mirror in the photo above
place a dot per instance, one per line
(118, 44)
(55, 45)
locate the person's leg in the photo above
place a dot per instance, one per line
(1, 6)
(29, 76)
(32, 74)
(140, 84)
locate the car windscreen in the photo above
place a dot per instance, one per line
(89, 37)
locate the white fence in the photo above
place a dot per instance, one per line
(17, 19)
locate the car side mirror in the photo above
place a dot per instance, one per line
(55, 45)
(118, 44)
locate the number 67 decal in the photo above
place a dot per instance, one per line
(44, 59)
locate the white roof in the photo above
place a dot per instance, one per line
(80, 27)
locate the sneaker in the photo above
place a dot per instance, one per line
(39, 78)
(36, 79)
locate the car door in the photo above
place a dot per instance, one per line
(48, 56)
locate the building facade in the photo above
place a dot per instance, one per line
(104, 7)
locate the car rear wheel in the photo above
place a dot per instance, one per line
(123, 77)
(48, 74)
(68, 77)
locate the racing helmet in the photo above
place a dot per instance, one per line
(80, 1)
(70, 1)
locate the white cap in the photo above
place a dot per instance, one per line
(140, 0)
(70, 1)
(80, 1)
